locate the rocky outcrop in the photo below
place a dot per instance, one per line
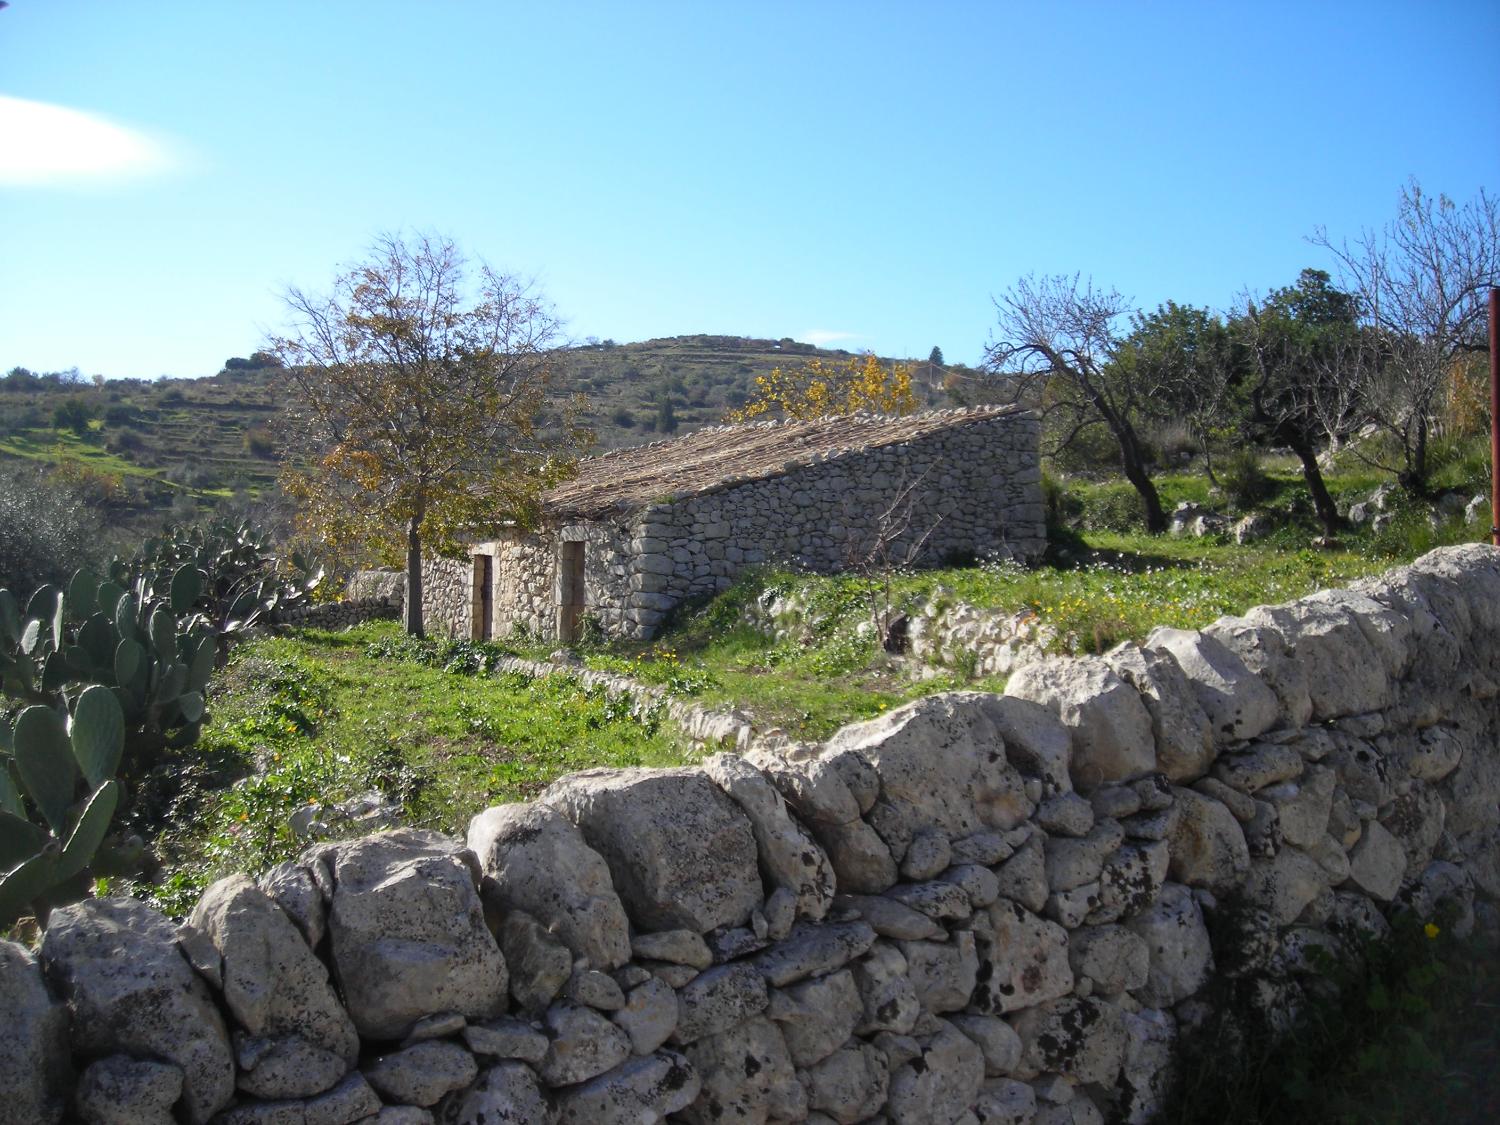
(974, 908)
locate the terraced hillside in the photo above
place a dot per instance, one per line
(172, 448)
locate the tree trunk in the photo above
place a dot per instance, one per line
(413, 614)
(1328, 512)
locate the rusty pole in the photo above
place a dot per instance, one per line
(1495, 415)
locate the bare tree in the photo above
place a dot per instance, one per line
(417, 392)
(1058, 341)
(886, 545)
(1421, 281)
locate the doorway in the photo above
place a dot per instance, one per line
(482, 615)
(570, 592)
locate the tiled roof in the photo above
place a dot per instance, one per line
(627, 479)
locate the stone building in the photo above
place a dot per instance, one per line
(638, 531)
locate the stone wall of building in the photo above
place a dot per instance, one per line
(975, 909)
(972, 491)
(447, 595)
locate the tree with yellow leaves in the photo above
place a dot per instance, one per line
(822, 390)
(416, 398)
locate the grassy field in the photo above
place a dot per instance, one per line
(322, 718)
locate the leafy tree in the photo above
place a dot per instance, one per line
(73, 413)
(935, 357)
(666, 415)
(1181, 356)
(1057, 343)
(1421, 282)
(819, 390)
(418, 389)
(1305, 359)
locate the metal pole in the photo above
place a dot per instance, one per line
(1495, 415)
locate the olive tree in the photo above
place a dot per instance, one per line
(418, 395)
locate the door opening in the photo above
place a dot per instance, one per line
(482, 618)
(570, 602)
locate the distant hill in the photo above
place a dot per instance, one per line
(173, 449)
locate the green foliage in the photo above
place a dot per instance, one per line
(46, 529)
(1245, 483)
(327, 717)
(1400, 1031)
(226, 575)
(112, 674)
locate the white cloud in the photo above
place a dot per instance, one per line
(821, 337)
(51, 144)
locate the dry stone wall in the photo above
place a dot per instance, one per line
(975, 909)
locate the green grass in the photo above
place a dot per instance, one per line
(324, 717)
(1113, 587)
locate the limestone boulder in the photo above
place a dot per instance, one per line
(285, 1066)
(850, 1085)
(813, 950)
(408, 933)
(1284, 884)
(1177, 939)
(997, 1041)
(643, 1089)
(942, 974)
(1377, 864)
(583, 1044)
(1146, 1077)
(939, 1085)
(292, 886)
(1303, 805)
(422, 1074)
(1263, 649)
(789, 857)
(1206, 843)
(537, 963)
(270, 980)
(506, 1094)
(1081, 1037)
(1113, 958)
(941, 764)
(535, 859)
(1023, 961)
(890, 1002)
(1184, 737)
(816, 1016)
(1237, 702)
(34, 1071)
(1112, 738)
(1036, 741)
(816, 789)
(1349, 646)
(128, 989)
(747, 1077)
(120, 1090)
(680, 852)
(649, 1016)
(718, 999)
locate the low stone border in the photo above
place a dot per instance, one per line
(706, 727)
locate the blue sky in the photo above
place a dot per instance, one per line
(866, 175)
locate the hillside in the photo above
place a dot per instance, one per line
(149, 452)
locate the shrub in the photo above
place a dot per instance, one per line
(259, 442)
(1245, 483)
(49, 530)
